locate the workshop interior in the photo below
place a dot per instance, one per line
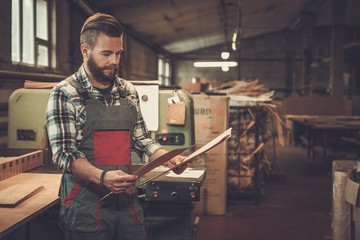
(262, 97)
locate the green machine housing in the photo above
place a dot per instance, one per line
(175, 136)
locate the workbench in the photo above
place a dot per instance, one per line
(343, 132)
(13, 218)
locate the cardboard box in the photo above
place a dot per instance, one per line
(211, 119)
(192, 87)
(15, 161)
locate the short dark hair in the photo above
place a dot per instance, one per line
(99, 22)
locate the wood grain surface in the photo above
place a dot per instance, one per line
(12, 218)
(15, 194)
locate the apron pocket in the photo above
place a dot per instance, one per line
(112, 147)
(80, 210)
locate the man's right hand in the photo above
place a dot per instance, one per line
(118, 181)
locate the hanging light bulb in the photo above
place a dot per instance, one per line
(234, 37)
(233, 46)
(225, 54)
(225, 68)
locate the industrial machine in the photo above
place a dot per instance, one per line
(168, 205)
(26, 127)
(168, 202)
(175, 135)
(27, 120)
(168, 113)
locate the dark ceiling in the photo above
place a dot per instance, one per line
(181, 26)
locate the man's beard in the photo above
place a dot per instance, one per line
(98, 72)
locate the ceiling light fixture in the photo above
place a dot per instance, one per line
(225, 54)
(215, 64)
(235, 39)
(225, 68)
(233, 46)
(238, 31)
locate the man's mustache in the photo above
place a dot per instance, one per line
(114, 67)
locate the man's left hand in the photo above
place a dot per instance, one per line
(176, 161)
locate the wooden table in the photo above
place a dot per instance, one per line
(327, 131)
(325, 127)
(12, 218)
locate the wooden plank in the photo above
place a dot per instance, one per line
(7, 159)
(13, 195)
(37, 85)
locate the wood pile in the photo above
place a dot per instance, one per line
(254, 120)
(245, 88)
(245, 162)
(241, 91)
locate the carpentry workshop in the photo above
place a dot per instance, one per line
(180, 120)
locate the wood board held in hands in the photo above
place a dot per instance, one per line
(15, 194)
(158, 161)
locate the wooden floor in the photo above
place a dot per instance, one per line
(297, 208)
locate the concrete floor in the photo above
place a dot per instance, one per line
(297, 208)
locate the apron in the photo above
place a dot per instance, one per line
(106, 144)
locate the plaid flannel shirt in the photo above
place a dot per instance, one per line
(66, 116)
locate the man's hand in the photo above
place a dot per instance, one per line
(176, 161)
(118, 181)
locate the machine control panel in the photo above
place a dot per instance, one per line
(26, 134)
(173, 189)
(171, 138)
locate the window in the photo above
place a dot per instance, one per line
(30, 38)
(164, 71)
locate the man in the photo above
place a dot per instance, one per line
(94, 122)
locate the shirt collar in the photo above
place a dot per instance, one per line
(83, 80)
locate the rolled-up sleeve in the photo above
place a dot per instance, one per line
(60, 122)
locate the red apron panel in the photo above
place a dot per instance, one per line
(112, 148)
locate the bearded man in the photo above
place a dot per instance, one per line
(93, 123)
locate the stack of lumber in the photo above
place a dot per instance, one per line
(246, 88)
(241, 90)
